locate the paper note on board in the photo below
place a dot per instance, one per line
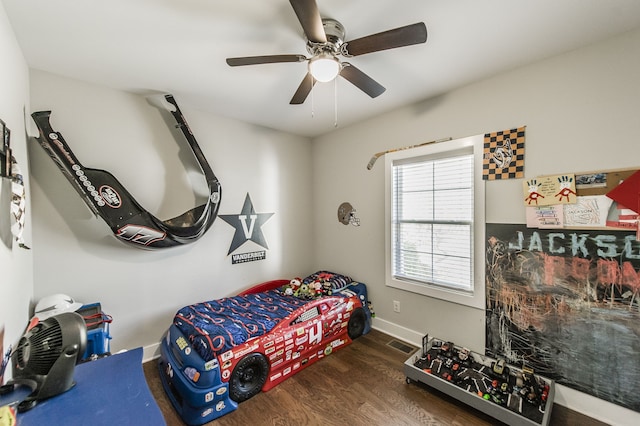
(588, 211)
(622, 217)
(545, 217)
(549, 190)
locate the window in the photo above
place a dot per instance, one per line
(435, 221)
(432, 221)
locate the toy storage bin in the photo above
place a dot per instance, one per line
(435, 366)
(98, 336)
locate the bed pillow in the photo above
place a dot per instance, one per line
(337, 281)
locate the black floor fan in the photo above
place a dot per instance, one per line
(46, 356)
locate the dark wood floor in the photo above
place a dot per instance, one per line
(362, 384)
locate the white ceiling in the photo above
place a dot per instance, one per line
(180, 47)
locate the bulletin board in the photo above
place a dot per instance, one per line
(565, 303)
(587, 200)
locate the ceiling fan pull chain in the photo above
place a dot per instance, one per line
(312, 104)
(335, 102)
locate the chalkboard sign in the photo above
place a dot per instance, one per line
(565, 303)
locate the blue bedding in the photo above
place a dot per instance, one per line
(216, 326)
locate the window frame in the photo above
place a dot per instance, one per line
(471, 145)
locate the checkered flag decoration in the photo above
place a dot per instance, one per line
(503, 154)
(18, 203)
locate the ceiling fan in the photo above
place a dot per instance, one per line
(325, 41)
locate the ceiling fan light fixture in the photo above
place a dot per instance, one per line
(324, 67)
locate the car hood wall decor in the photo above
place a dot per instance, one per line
(110, 200)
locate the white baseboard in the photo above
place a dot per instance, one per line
(397, 331)
(151, 352)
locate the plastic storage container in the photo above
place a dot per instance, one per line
(98, 336)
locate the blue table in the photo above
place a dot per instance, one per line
(109, 391)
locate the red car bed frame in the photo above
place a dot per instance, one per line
(202, 391)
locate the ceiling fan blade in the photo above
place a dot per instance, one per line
(361, 80)
(398, 37)
(303, 90)
(310, 19)
(269, 59)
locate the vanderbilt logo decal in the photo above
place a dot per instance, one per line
(248, 226)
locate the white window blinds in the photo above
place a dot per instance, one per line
(432, 221)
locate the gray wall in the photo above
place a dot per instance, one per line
(581, 112)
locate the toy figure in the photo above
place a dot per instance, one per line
(315, 289)
(303, 291)
(295, 286)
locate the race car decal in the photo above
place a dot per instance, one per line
(315, 334)
(110, 200)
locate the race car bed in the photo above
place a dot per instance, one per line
(219, 353)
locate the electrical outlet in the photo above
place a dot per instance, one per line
(396, 306)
